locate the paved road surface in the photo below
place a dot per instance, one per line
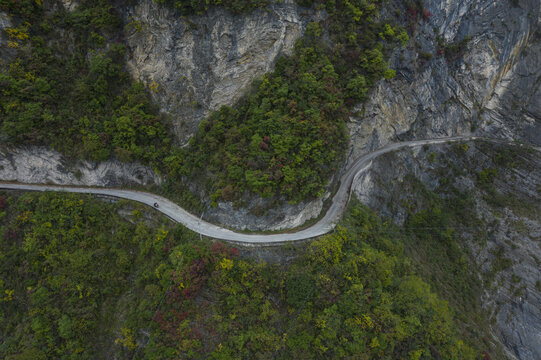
(175, 212)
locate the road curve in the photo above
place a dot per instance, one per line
(192, 222)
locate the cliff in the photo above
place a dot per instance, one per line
(502, 186)
(471, 67)
(196, 64)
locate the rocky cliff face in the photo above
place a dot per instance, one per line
(510, 218)
(192, 65)
(264, 214)
(42, 165)
(489, 85)
(471, 67)
(197, 64)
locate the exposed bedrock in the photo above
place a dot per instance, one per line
(196, 64)
(491, 86)
(41, 165)
(7, 53)
(263, 214)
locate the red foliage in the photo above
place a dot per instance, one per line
(266, 139)
(486, 355)
(104, 138)
(263, 145)
(195, 333)
(218, 249)
(412, 13)
(198, 266)
(11, 234)
(3, 202)
(426, 14)
(158, 317)
(178, 316)
(173, 295)
(164, 325)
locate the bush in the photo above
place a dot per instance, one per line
(300, 289)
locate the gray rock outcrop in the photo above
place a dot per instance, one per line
(41, 165)
(197, 64)
(490, 86)
(260, 214)
(7, 53)
(70, 5)
(192, 65)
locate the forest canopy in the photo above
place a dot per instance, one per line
(81, 278)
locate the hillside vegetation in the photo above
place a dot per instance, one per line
(84, 279)
(68, 88)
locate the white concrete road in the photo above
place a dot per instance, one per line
(178, 214)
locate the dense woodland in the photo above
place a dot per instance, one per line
(68, 88)
(85, 279)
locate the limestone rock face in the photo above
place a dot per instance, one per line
(260, 214)
(197, 64)
(7, 54)
(192, 65)
(43, 165)
(513, 225)
(489, 87)
(70, 5)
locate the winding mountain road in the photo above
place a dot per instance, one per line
(178, 214)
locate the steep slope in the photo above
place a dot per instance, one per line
(86, 279)
(188, 68)
(472, 66)
(196, 64)
(469, 68)
(39, 164)
(489, 194)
